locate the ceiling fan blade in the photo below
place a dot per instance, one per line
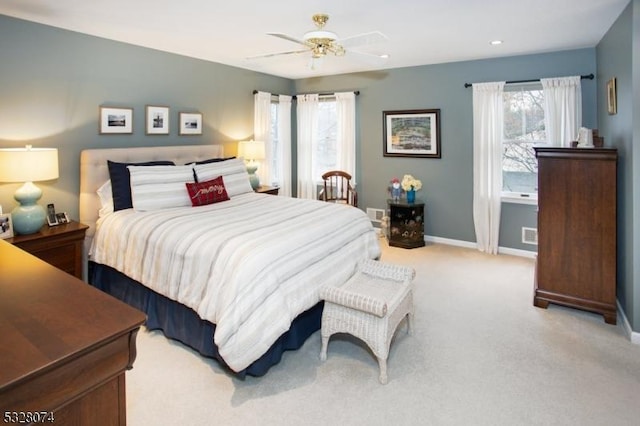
(364, 39)
(286, 37)
(370, 58)
(270, 55)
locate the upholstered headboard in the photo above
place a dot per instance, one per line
(94, 171)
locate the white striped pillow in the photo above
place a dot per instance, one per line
(159, 187)
(233, 172)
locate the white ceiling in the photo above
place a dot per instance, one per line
(419, 31)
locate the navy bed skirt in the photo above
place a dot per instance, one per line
(183, 324)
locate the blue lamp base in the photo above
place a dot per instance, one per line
(28, 217)
(253, 177)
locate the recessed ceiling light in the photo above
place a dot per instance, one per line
(495, 42)
(385, 56)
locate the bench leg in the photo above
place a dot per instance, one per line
(323, 351)
(383, 370)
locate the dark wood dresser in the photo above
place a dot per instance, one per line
(65, 346)
(576, 263)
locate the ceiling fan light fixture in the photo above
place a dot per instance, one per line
(319, 42)
(320, 35)
(318, 51)
(338, 50)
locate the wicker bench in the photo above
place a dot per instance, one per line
(369, 306)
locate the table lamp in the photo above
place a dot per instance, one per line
(28, 165)
(252, 151)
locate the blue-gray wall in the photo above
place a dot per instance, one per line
(618, 56)
(447, 182)
(53, 81)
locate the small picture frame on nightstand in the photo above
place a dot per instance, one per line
(62, 218)
(6, 226)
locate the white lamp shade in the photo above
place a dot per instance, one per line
(28, 164)
(251, 150)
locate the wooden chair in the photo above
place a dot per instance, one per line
(338, 188)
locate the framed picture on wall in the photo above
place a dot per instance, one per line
(157, 120)
(612, 102)
(411, 133)
(190, 123)
(115, 120)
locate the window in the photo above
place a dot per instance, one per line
(276, 169)
(326, 138)
(523, 128)
(325, 153)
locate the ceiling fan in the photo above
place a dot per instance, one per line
(321, 42)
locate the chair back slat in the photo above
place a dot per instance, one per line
(338, 188)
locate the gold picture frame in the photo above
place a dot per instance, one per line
(612, 101)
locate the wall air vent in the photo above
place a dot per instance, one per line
(530, 236)
(375, 215)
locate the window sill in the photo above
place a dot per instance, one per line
(515, 198)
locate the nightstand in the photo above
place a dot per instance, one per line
(406, 224)
(60, 246)
(264, 189)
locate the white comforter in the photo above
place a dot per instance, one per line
(250, 265)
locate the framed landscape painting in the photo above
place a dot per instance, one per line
(116, 120)
(412, 133)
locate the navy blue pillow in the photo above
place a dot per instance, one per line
(121, 181)
(210, 160)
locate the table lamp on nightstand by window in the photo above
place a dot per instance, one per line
(252, 151)
(28, 165)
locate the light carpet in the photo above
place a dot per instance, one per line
(480, 354)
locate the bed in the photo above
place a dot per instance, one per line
(238, 280)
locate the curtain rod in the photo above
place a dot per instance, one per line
(356, 92)
(582, 77)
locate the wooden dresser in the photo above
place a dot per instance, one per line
(576, 263)
(65, 345)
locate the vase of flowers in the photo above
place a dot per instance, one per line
(411, 185)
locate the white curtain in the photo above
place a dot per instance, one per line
(562, 109)
(262, 132)
(487, 163)
(346, 133)
(284, 136)
(307, 130)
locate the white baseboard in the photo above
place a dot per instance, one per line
(469, 244)
(449, 241)
(518, 252)
(633, 336)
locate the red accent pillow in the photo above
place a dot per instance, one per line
(209, 192)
